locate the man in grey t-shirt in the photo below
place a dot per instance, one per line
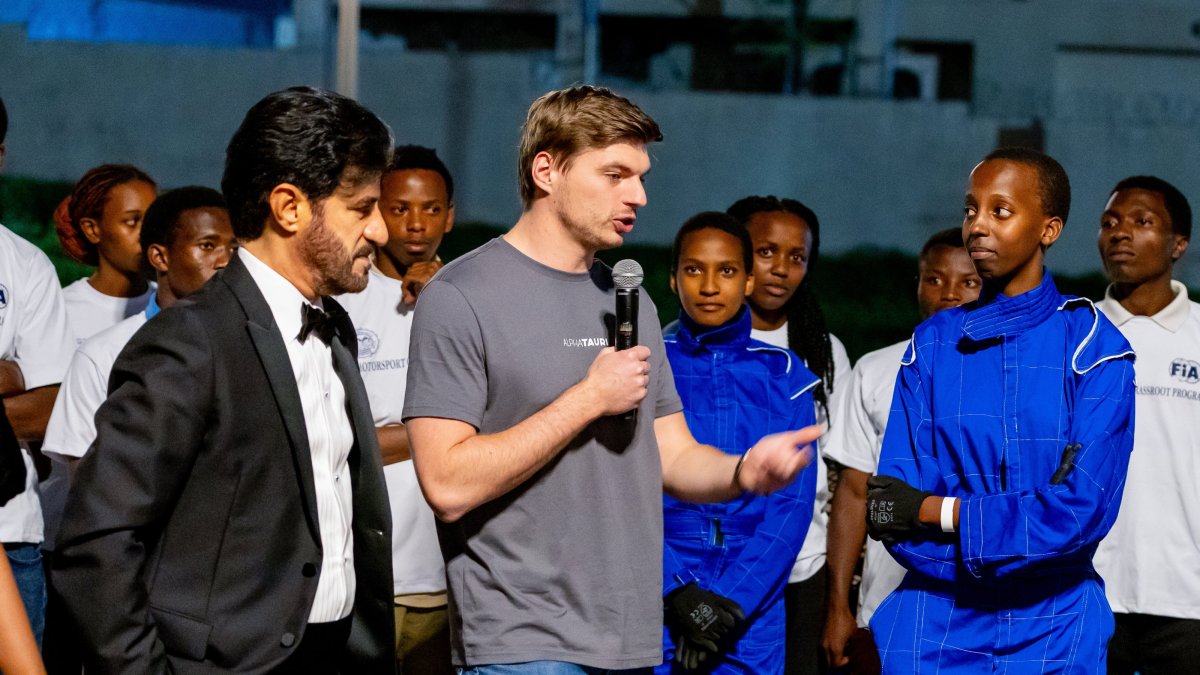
(551, 502)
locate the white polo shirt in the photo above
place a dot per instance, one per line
(383, 322)
(34, 334)
(1150, 561)
(89, 311)
(812, 554)
(855, 439)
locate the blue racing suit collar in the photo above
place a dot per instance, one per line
(152, 307)
(1004, 315)
(733, 334)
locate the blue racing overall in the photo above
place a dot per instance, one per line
(988, 399)
(736, 390)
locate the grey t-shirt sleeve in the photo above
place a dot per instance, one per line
(447, 371)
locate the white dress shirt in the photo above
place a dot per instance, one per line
(330, 438)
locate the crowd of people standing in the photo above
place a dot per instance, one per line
(310, 446)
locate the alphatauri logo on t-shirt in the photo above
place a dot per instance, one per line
(1185, 370)
(585, 342)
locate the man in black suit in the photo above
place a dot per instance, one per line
(232, 514)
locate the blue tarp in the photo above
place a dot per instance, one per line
(225, 23)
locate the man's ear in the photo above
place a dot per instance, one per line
(449, 219)
(1180, 247)
(545, 172)
(291, 209)
(749, 284)
(159, 257)
(1051, 231)
(672, 283)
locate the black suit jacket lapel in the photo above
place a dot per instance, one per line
(345, 364)
(373, 629)
(272, 353)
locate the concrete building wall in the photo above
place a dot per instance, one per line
(877, 172)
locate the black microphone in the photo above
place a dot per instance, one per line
(627, 277)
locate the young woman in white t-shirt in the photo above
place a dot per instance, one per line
(784, 312)
(98, 224)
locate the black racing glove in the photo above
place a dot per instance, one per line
(893, 509)
(700, 619)
(688, 656)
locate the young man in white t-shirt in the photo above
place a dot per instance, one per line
(1150, 561)
(187, 237)
(945, 278)
(34, 348)
(417, 202)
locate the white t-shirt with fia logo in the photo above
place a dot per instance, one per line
(1150, 561)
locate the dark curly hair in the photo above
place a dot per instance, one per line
(419, 157)
(713, 220)
(1054, 188)
(951, 237)
(808, 335)
(1177, 205)
(161, 222)
(311, 138)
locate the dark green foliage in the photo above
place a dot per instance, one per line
(869, 297)
(27, 205)
(27, 208)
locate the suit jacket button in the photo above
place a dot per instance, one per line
(309, 570)
(287, 640)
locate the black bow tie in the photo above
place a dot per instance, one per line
(314, 321)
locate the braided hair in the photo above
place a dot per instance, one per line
(87, 200)
(808, 335)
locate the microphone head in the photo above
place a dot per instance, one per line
(627, 274)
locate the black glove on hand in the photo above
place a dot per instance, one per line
(689, 657)
(700, 619)
(893, 509)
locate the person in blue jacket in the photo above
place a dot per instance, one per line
(1005, 453)
(725, 565)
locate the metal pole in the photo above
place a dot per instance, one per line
(793, 68)
(347, 48)
(591, 41)
(891, 21)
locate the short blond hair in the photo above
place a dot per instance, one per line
(568, 121)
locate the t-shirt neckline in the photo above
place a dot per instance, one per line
(543, 269)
